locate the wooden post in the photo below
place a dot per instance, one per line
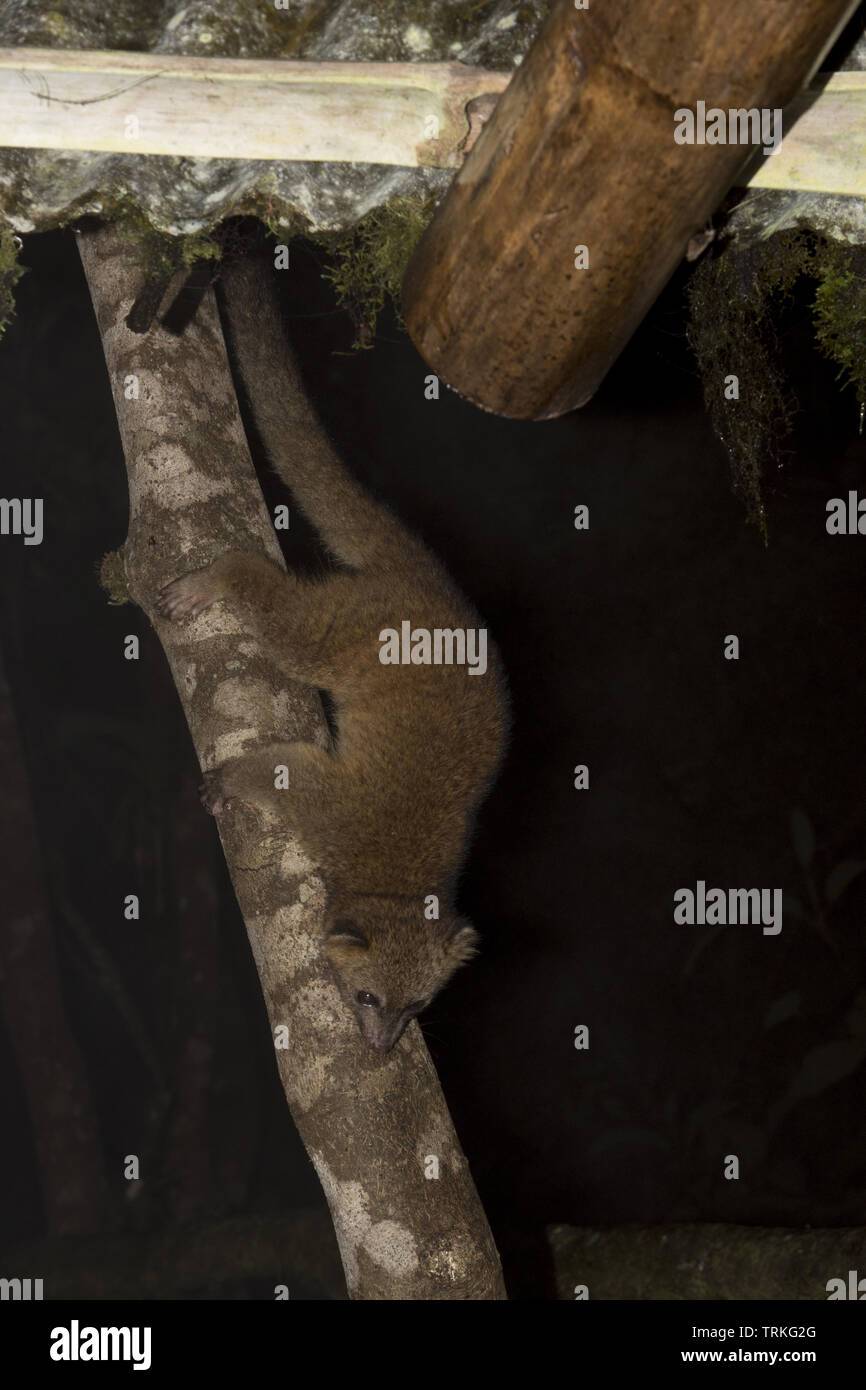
(581, 152)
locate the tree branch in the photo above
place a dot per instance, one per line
(370, 1124)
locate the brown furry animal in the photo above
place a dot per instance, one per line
(387, 811)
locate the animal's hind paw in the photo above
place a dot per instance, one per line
(212, 796)
(188, 596)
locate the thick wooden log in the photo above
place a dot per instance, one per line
(581, 152)
(239, 108)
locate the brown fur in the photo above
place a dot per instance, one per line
(387, 812)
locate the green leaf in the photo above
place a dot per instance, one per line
(825, 1066)
(783, 1008)
(839, 878)
(629, 1137)
(700, 945)
(803, 836)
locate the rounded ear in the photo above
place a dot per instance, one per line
(462, 941)
(345, 932)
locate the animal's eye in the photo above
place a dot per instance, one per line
(369, 1000)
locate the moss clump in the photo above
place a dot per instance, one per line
(112, 577)
(369, 263)
(200, 247)
(160, 255)
(840, 311)
(735, 300)
(10, 273)
(366, 264)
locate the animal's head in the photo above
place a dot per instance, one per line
(390, 961)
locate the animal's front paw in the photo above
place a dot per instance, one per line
(188, 596)
(213, 795)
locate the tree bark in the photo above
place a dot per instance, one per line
(580, 153)
(370, 1124)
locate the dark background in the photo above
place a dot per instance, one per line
(704, 1042)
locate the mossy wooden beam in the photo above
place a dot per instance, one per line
(407, 114)
(577, 201)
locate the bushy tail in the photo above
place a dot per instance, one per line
(356, 529)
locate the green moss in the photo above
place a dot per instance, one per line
(840, 312)
(10, 273)
(200, 247)
(735, 299)
(308, 26)
(369, 263)
(112, 577)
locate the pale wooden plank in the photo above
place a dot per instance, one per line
(236, 108)
(823, 149)
(145, 103)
